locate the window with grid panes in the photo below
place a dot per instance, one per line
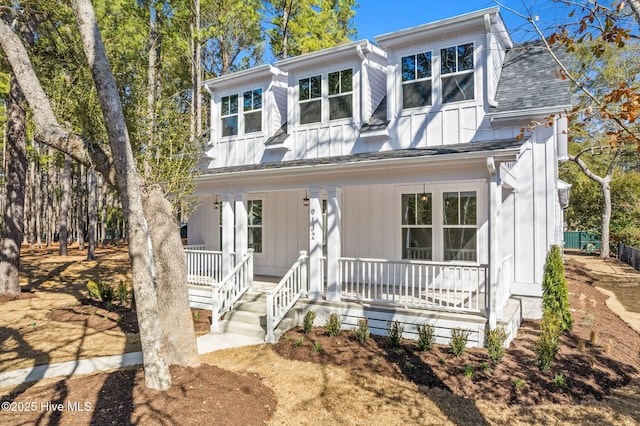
(460, 225)
(252, 110)
(457, 69)
(417, 227)
(416, 80)
(310, 99)
(340, 94)
(229, 115)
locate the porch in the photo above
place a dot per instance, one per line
(446, 295)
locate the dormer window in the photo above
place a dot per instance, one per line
(310, 97)
(229, 115)
(416, 80)
(252, 106)
(456, 66)
(340, 94)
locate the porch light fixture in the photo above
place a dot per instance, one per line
(305, 200)
(423, 196)
(216, 204)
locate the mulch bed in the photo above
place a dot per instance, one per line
(98, 315)
(600, 354)
(203, 395)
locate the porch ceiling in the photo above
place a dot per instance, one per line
(457, 162)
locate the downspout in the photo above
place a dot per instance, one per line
(494, 308)
(206, 87)
(489, 64)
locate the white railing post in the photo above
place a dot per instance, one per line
(304, 273)
(215, 308)
(250, 268)
(271, 338)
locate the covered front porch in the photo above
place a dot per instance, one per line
(422, 233)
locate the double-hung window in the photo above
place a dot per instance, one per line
(460, 225)
(229, 115)
(310, 97)
(456, 67)
(340, 94)
(254, 224)
(252, 108)
(416, 80)
(417, 229)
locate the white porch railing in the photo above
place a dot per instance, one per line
(195, 247)
(281, 299)
(204, 267)
(231, 288)
(414, 284)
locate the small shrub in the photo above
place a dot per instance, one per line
(317, 347)
(196, 315)
(442, 360)
(494, 343)
(426, 338)
(594, 338)
(409, 365)
(399, 351)
(362, 331)
(94, 290)
(287, 338)
(307, 324)
(555, 292)
(559, 380)
(518, 383)
(468, 371)
(459, 339)
(298, 342)
(100, 291)
(394, 333)
(546, 347)
(588, 320)
(333, 325)
(123, 293)
(485, 367)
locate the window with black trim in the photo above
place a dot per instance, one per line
(456, 67)
(460, 225)
(229, 115)
(310, 99)
(416, 80)
(252, 108)
(340, 94)
(417, 227)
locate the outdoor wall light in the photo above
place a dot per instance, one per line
(216, 204)
(305, 200)
(424, 196)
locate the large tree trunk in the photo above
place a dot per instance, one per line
(15, 183)
(80, 210)
(65, 201)
(606, 215)
(171, 281)
(156, 369)
(104, 192)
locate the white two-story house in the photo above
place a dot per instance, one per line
(401, 169)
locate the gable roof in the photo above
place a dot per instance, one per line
(529, 82)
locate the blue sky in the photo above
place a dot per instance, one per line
(375, 17)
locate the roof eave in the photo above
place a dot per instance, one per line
(528, 113)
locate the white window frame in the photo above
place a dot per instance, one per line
(252, 110)
(301, 101)
(251, 227)
(406, 227)
(459, 225)
(229, 114)
(404, 83)
(340, 93)
(457, 72)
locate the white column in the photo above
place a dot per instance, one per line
(315, 244)
(334, 244)
(228, 234)
(495, 308)
(242, 231)
(209, 218)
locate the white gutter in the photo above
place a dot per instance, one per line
(363, 61)
(491, 91)
(522, 113)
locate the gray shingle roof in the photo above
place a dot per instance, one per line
(378, 119)
(529, 80)
(488, 146)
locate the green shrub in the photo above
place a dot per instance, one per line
(559, 380)
(426, 337)
(459, 339)
(309, 317)
(468, 371)
(362, 331)
(101, 291)
(394, 333)
(123, 293)
(298, 342)
(317, 347)
(333, 325)
(555, 292)
(546, 347)
(494, 343)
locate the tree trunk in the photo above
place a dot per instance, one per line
(38, 199)
(156, 369)
(171, 281)
(606, 216)
(63, 250)
(197, 95)
(15, 183)
(81, 214)
(93, 213)
(104, 192)
(635, 7)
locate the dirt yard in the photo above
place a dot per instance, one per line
(339, 381)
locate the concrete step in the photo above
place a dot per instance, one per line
(246, 317)
(243, 329)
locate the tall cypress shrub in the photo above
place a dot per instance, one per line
(555, 292)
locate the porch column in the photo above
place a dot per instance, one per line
(316, 283)
(228, 234)
(334, 245)
(495, 308)
(242, 232)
